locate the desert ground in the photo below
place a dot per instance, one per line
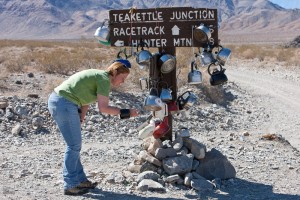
(253, 120)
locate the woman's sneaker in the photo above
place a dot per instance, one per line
(76, 191)
(87, 184)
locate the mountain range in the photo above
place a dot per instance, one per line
(71, 19)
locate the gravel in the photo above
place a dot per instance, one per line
(253, 120)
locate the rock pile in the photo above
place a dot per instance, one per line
(183, 161)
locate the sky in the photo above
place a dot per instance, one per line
(287, 3)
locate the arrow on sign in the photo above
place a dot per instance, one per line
(119, 43)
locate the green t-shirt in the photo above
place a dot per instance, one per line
(82, 88)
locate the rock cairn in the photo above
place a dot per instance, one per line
(183, 161)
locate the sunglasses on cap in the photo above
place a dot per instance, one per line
(125, 62)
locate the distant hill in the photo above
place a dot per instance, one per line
(69, 19)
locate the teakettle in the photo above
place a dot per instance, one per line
(161, 129)
(167, 63)
(166, 93)
(202, 33)
(143, 83)
(217, 77)
(147, 130)
(102, 33)
(173, 107)
(223, 55)
(195, 76)
(206, 57)
(186, 100)
(143, 58)
(160, 114)
(152, 101)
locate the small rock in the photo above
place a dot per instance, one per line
(150, 185)
(16, 130)
(201, 184)
(246, 133)
(30, 75)
(148, 175)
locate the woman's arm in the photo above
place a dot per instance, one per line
(105, 108)
(111, 110)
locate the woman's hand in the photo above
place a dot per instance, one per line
(82, 113)
(134, 113)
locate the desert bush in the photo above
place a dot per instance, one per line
(266, 52)
(13, 64)
(65, 57)
(56, 61)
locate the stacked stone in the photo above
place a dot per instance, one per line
(185, 161)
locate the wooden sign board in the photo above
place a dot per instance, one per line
(162, 27)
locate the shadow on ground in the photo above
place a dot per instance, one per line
(219, 95)
(246, 190)
(236, 190)
(100, 194)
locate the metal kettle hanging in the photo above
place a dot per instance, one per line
(195, 76)
(223, 55)
(152, 102)
(102, 33)
(217, 76)
(166, 93)
(161, 130)
(143, 58)
(186, 100)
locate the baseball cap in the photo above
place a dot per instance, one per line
(125, 62)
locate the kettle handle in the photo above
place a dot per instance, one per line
(164, 82)
(181, 96)
(152, 90)
(122, 51)
(141, 44)
(194, 66)
(221, 69)
(103, 23)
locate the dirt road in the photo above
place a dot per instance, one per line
(279, 92)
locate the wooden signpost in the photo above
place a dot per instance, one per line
(166, 29)
(161, 27)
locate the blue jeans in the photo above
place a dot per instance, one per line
(66, 116)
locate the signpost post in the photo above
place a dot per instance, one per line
(166, 29)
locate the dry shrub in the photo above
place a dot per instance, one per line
(64, 61)
(56, 61)
(51, 56)
(16, 64)
(65, 57)
(294, 58)
(265, 52)
(248, 54)
(285, 54)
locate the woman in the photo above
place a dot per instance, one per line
(68, 105)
